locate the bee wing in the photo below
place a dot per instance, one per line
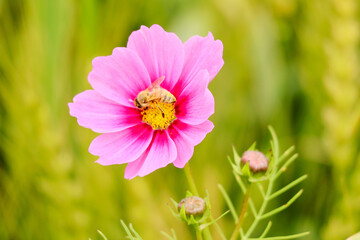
(156, 83)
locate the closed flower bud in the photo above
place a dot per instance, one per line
(193, 205)
(257, 161)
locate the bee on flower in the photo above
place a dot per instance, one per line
(150, 100)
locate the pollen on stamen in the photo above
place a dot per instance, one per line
(159, 115)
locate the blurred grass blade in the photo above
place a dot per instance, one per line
(229, 203)
(103, 236)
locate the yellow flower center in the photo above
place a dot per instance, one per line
(159, 115)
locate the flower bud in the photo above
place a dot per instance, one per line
(257, 161)
(193, 205)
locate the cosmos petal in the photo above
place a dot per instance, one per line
(161, 52)
(202, 53)
(187, 136)
(122, 147)
(102, 115)
(120, 76)
(195, 104)
(159, 154)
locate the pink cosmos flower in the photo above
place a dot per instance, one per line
(151, 100)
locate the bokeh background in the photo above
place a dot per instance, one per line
(293, 64)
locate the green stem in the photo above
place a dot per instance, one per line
(190, 179)
(235, 234)
(198, 233)
(261, 211)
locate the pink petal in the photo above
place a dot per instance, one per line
(186, 137)
(120, 76)
(161, 52)
(101, 114)
(195, 104)
(160, 153)
(122, 147)
(202, 53)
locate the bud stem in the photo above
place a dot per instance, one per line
(194, 191)
(190, 180)
(235, 234)
(198, 233)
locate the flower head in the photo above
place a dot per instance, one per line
(193, 205)
(257, 160)
(151, 100)
(193, 209)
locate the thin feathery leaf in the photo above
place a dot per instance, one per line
(283, 207)
(286, 154)
(266, 230)
(133, 231)
(287, 187)
(127, 230)
(275, 144)
(286, 164)
(167, 235)
(174, 202)
(294, 236)
(173, 233)
(205, 225)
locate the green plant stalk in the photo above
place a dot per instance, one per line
(194, 191)
(198, 233)
(261, 211)
(190, 180)
(243, 189)
(241, 216)
(261, 189)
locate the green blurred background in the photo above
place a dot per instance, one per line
(293, 64)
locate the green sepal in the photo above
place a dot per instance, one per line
(182, 213)
(237, 158)
(252, 147)
(189, 194)
(245, 170)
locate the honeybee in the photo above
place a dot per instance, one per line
(152, 94)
